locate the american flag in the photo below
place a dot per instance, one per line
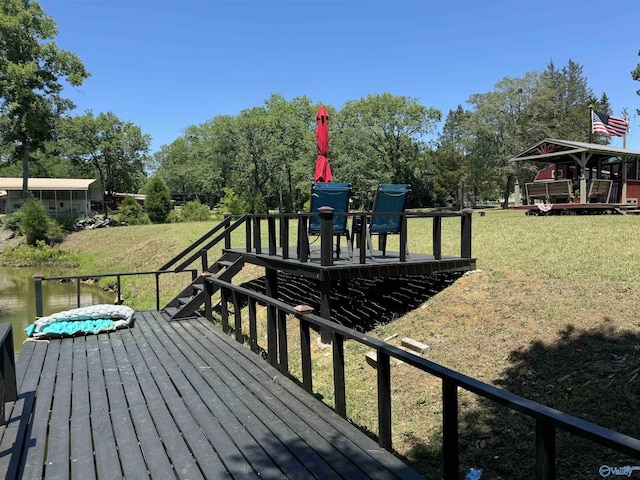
(605, 125)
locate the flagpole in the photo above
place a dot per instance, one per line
(590, 124)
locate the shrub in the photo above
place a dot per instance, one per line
(158, 201)
(231, 202)
(131, 213)
(34, 222)
(176, 216)
(12, 222)
(196, 211)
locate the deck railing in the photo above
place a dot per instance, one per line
(39, 279)
(278, 236)
(547, 420)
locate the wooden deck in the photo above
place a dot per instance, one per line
(173, 399)
(574, 208)
(345, 268)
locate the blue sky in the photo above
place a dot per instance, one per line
(168, 64)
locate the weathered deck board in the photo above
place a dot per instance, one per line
(173, 400)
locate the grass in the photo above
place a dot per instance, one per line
(551, 314)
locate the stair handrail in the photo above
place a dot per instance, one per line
(223, 224)
(230, 227)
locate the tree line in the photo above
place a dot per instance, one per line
(263, 158)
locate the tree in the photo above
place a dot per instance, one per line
(452, 175)
(158, 200)
(520, 112)
(113, 150)
(32, 69)
(381, 137)
(635, 74)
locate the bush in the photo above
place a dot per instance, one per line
(131, 213)
(36, 225)
(12, 222)
(231, 202)
(196, 212)
(158, 201)
(33, 222)
(176, 216)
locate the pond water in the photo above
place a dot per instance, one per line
(18, 304)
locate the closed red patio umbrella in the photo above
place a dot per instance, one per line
(323, 169)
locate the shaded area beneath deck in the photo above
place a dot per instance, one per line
(361, 303)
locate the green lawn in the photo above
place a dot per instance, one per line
(552, 314)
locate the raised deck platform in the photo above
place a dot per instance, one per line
(173, 399)
(345, 268)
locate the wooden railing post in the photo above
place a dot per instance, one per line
(257, 235)
(403, 238)
(227, 222)
(362, 241)
(205, 260)
(303, 240)
(465, 234)
(545, 451)
(437, 237)
(248, 233)
(283, 348)
(157, 291)
(224, 310)
(384, 399)
(271, 290)
(450, 457)
(8, 387)
(37, 278)
(338, 374)
(284, 236)
(253, 326)
(119, 287)
(77, 292)
(237, 317)
(271, 231)
(305, 348)
(208, 292)
(326, 236)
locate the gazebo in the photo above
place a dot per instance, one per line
(578, 164)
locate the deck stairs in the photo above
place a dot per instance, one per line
(188, 302)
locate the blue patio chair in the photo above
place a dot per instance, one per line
(336, 196)
(389, 198)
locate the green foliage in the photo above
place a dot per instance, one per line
(131, 213)
(475, 145)
(104, 146)
(36, 225)
(232, 203)
(32, 72)
(191, 212)
(158, 201)
(635, 74)
(12, 222)
(196, 211)
(39, 255)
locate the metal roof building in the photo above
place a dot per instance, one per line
(60, 196)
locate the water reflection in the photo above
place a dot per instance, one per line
(17, 297)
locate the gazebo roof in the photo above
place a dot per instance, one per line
(551, 150)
